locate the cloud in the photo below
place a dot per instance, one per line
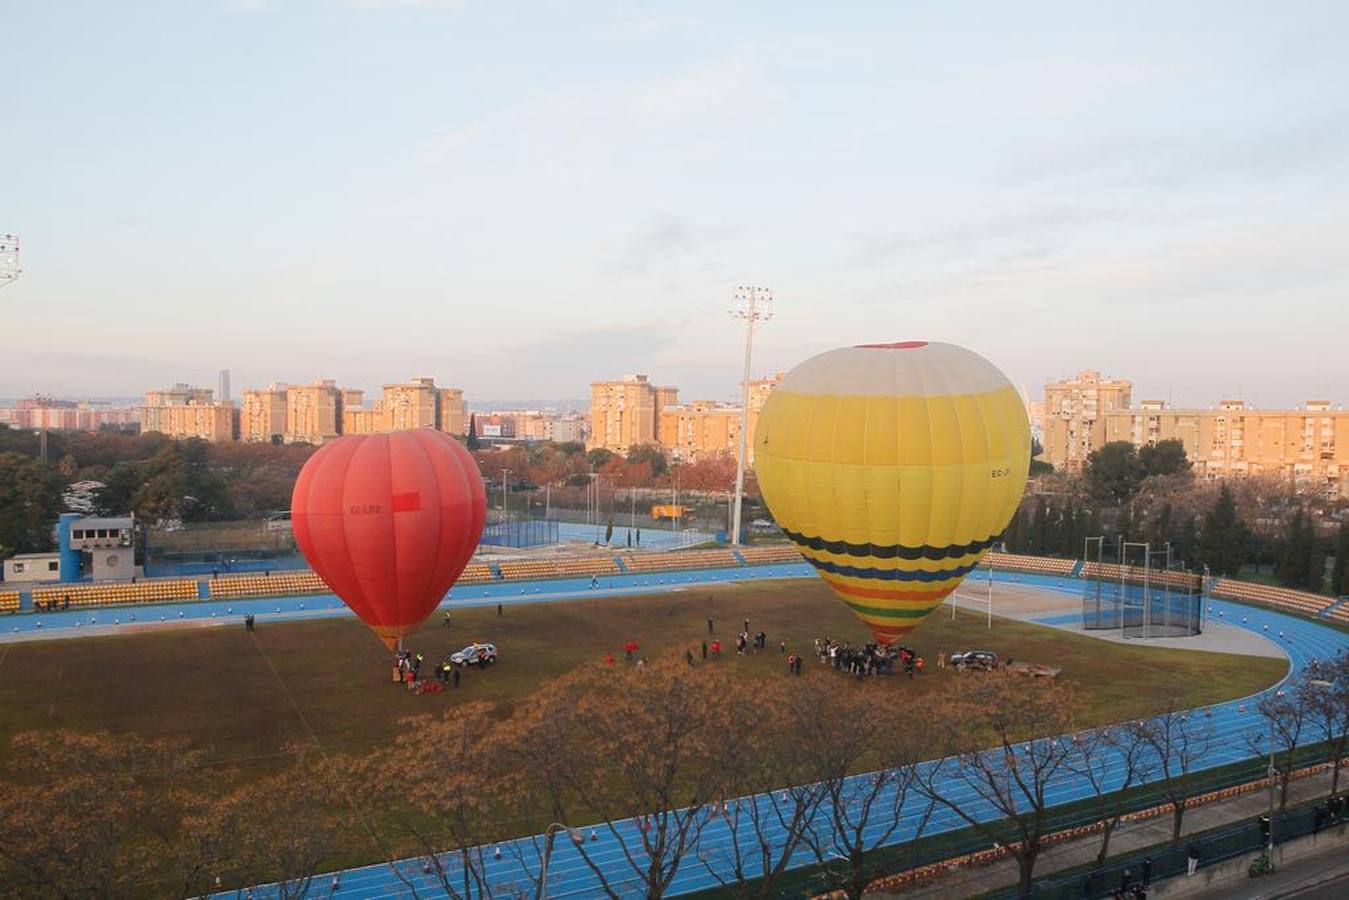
(448, 5)
(1118, 160)
(446, 144)
(666, 238)
(1027, 231)
(591, 122)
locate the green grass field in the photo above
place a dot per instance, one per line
(244, 696)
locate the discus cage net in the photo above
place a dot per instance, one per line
(1140, 590)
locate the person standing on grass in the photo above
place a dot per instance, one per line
(747, 626)
(709, 626)
(782, 648)
(454, 676)
(791, 664)
(688, 656)
(608, 658)
(704, 649)
(498, 610)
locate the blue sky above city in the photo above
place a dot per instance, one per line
(518, 198)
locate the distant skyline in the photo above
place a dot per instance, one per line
(517, 199)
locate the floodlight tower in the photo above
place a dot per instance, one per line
(749, 305)
(9, 258)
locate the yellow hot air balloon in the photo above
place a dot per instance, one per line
(893, 467)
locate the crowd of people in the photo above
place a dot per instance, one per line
(407, 670)
(868, 659)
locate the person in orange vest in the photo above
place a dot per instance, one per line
(918, 664)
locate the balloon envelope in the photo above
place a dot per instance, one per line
(893, 467)
(389, 521)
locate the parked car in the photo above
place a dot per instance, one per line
(475, 654)
(978, 660)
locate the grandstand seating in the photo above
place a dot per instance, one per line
(774, 553)
(537, 569)
(1340, 614)
(9, 601)
(1033, 565)
(1269, 595)
(278, 584)
(691, 559)
(155, 590)
(476, 573)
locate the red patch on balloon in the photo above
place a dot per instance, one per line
(897, 345)
(409, 502)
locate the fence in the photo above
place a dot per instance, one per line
(520, 533)
(1169, 860)
(220, 547)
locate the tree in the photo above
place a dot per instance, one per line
(1164, 458)
(768, 766)
(30, 501)
(1285, 713)
(649, 453)
(290, 822)
(1180, 741)
(96, 815)
(1223, 542)
(1302, 562)
(632, 757)
(437, 770)
(1025, 717)
(472, 442)
(861, 812)
(1111, 760)
(598, 456)
(1324, 690)
(1113, 472)
(1339, 575)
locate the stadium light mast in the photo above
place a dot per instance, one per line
(749, 305)
(9, 258)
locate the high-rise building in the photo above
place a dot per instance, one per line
(313, 412)
(565, 429)
(759, 389)
(411, 404)
(700, 428)
(1308, 446)
(179, 394)
(223, 392)
(186, 412)
(262, 417)
(625, 413)
(453, 416)
(360, 420)
(1075, 410)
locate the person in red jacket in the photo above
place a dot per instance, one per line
(608, 658)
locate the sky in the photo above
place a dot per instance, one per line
(520, 198)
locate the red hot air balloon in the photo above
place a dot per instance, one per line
(389, 521)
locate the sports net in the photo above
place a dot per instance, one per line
(1139, 590)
